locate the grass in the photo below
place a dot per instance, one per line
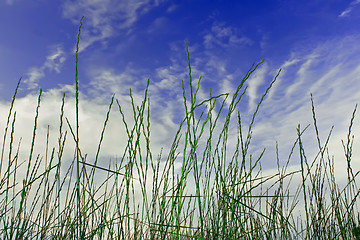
(216, 194)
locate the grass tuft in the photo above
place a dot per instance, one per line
(216, 193)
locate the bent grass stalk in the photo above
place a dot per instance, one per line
(216, 194)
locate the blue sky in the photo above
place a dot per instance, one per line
(123, 43)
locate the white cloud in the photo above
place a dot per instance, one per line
(171, 8)
(104, 18)
(348, 10)
(301, 79)
(106, 80)
(10, 2)
(53, 62)
(164, 91)
(224, 36)
(157, 25)
(277, 119)
(331, 73)
(255, 81)
(329, 70)
(345, 12)
(35, 74)
(283, 67)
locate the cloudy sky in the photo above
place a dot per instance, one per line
(125, 42)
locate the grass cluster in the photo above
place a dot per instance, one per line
(216, 194)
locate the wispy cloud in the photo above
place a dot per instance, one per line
(171, 8)
(105, 17)
(301, 76)
(331, 73)
(165, 95)
(224, 36)
(109, 81)
(53, 62)
(256, 80)
(35, 75)
(10, 2)
(348, 10)
(158, 24)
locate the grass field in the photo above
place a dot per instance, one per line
(200, 191)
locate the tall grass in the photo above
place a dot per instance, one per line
(216, 194)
